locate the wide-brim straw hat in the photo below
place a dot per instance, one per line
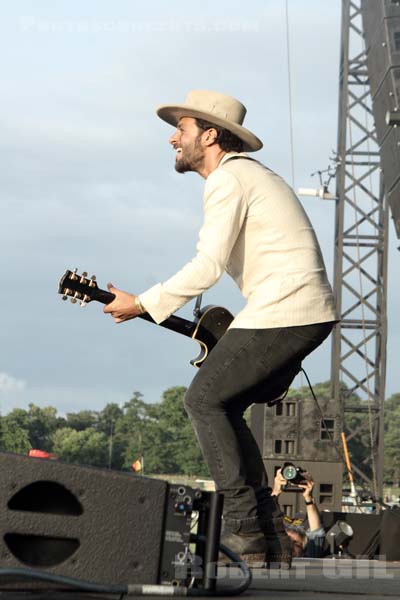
(218, 109)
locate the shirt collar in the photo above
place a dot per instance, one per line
(229, 155)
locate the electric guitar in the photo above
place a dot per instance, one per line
(206, 329)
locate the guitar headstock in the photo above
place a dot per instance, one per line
(78, 287)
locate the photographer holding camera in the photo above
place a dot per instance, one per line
(305, 531)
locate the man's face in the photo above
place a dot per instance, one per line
(188, 147)
(298, 543)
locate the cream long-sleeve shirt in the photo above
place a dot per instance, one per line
(255, 229)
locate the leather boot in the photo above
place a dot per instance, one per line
(247, 541)
(278, 553)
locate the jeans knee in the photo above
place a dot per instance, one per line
(198, 402)
(188, 402)
(192, 402)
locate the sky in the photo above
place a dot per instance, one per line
(87, 175)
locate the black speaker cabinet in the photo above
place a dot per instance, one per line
(390, 535)
(87, 523)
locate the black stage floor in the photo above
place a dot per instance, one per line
(309, 578)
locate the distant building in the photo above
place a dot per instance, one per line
(295, 431)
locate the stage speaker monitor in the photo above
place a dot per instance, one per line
(390, 535)
(366, 528)
(98, 525)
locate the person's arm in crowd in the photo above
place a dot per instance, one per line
(279, 482)
(314, 519)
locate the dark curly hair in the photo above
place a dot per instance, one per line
(227, 140)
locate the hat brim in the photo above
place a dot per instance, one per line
(171, 114)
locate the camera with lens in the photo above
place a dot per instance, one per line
(293, 475)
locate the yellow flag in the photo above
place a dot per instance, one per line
(137, 465)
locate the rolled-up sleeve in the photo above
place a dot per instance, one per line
(224, 213)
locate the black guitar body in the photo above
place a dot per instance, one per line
(211, 326)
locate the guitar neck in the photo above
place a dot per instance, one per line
(173, 323)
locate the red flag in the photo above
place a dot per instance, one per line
(41, 454)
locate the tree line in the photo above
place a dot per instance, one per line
(113, 437)
(117, 436)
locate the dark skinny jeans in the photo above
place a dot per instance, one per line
(246, 366)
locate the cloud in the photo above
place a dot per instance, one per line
(10, 384)
(88, 181)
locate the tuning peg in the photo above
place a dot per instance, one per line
(85, 300)
(65, 297)
(92, 281)
(83, 277)
(77, 295)
(73, 300)
(74, 274)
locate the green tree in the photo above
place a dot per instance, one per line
(161, 433)
(89, 447)
(14, 437)
(82, 420)
(31, 428)
(42, 422)
(392, 440)
(19, 417)
(108, 417)
(107, 423)
(137, 434)
(181, 452)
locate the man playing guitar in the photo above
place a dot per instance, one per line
(255, 229)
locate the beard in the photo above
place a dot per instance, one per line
(191, 158)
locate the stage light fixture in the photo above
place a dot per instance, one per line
(338, 538)
(392, 118)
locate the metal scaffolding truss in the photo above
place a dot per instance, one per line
(360, 272)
